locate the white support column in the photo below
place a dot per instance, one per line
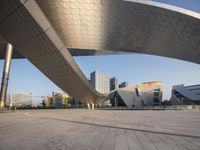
(92, 106)
(5, 77)
(88, 105)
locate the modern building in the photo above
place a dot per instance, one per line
(100, 81)
(184, 95)
(123, 84)
(145, 94)
(60, 100)
(113, 83)
(56, 100)
(20, 100)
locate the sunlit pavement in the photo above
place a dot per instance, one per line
(99, 129)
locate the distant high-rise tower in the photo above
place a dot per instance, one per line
(113, 84)
(100, 81)
(123, 84)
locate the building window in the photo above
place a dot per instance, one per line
(156, 100)
(156, 94)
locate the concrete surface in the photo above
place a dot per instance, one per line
(99, 129)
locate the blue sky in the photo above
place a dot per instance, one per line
(133, 68)
(193, 5)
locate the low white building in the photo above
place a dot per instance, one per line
(20, 99)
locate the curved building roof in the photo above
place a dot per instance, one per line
(45, 31)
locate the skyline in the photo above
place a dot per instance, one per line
(30, 77)
(157, 68)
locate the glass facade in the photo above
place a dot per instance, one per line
(100, 81)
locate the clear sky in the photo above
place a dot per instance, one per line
(133, 68)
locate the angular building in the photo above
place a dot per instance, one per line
(113, 84)
(100, 81)
(145, 94)
(185, 95)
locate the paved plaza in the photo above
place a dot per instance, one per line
(99, 129)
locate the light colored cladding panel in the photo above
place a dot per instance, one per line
(125, 26)
(78, 22)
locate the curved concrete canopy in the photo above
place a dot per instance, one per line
(138, 26)
(42, 31)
